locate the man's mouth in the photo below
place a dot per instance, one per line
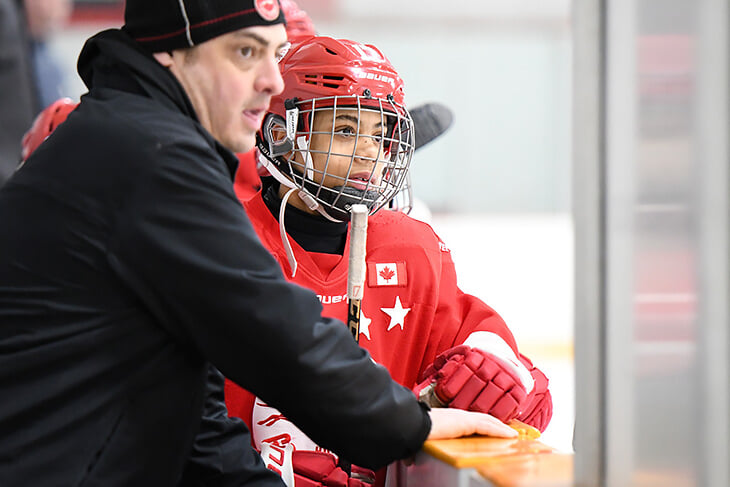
(255, 116)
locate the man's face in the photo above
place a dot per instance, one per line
(230, 80)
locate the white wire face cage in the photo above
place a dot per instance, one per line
(332, 164)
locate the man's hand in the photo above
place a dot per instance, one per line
(473, 379)
(319, 469)
(455, 423)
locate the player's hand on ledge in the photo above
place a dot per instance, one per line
(504, 385)
(455, 423)
(537, 410)
(476, 380)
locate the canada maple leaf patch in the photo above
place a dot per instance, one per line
(387, 274)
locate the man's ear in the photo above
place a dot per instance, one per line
(164, 58)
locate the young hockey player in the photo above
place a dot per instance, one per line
(338, 135)
(430, 120)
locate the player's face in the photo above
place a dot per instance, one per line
(353, 154)
(230, 80)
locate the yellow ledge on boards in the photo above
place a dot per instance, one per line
(526, 432)
(516, 462)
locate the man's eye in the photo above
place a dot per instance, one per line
(247, 52)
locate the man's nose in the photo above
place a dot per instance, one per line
(269, 78)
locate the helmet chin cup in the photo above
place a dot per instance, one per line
(339, 199)
(275, 123)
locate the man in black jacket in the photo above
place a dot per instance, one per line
(128, 267)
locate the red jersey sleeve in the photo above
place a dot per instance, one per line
(413, 301)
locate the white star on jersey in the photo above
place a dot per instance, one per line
(365, 325)
(397, 314)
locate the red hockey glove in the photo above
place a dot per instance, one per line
(538, 407)
(319, 469)
(472, 379)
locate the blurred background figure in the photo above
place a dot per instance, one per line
(17, 98)
(298, 22)
(45, 123)
(32, 75)
(45, 19)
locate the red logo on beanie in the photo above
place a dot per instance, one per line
(267, 9)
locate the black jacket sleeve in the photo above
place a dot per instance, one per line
(184, 245)
(222, 455)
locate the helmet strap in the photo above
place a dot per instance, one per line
(303, 194)
(303, 146)
(285, 236)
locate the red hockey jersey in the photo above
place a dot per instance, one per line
(248, 180)
(412, 308)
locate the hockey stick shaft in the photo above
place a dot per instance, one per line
(355, 280)
(356, 269)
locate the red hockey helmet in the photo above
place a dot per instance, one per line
(298, 23)
(45, 123)
(322, 74)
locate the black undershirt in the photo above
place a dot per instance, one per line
(313, 233)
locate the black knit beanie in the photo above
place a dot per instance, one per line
(165, 25)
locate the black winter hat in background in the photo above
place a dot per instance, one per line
(165, 25)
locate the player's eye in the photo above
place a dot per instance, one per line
(345, 131)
